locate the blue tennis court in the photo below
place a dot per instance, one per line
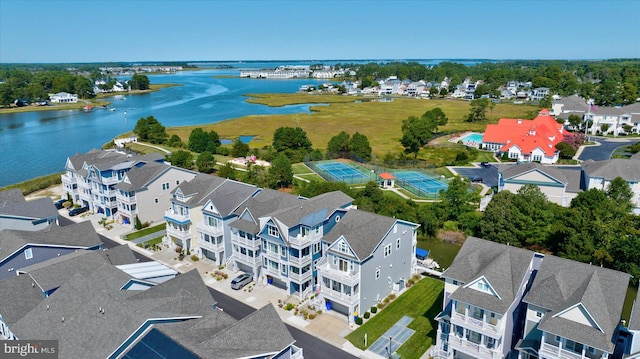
(393, 338)
(419, 181)
(342, 172)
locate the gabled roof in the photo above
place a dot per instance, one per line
(573, 103)
(139, 177)
(262, 204)
(628, 169)
(229, 195)
(39, 208)
(326, 202)
(543, 132)
(81, 235)
(120, 255)
(198, 188)
(11, 197)
(362, 230)
(511, 171)
(504, 267)
(18, 296)
(561, 285)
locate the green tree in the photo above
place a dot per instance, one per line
(181, 158)
(83, 87)
(438, 117)
(280, 172)
(149, 129)
(575, 121)
(139, 82)
(444, 92)
(289, 138)
(175, 141)
(338, 145)
(416, 132)
(499, 222)
(201, 141)
(619, 191)
(457, 199)
(6, 95)
(360, 147)
(478, 110)
(545, 102)
(227, 171)
(206, 162)
(566, 150)
(239, 148)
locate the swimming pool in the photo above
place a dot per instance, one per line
(475, 138)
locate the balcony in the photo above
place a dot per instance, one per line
(471, 348)
(180, 234)
(176, 217)
(210, 246)
(245, 242)
(553, 351)
(300, 261)
(252, 262)
(212, 231)
(125, 199)
(300, 277)
(334, 295)
(350, 278)
(69, 179)
(300, 241)
(473, 323)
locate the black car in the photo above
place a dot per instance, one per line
(59, 203)
(485, 164)
(475, 179)
(78, 210)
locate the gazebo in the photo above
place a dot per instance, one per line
(386, 180)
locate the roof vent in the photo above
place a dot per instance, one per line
(63, 319)
(33, 285)
(47, 306)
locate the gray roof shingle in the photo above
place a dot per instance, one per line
(229, 195)
(362, 230)
(628, 169)
(198, 188)
(561, 284)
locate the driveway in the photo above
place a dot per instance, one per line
(489, 174)
(605, 149)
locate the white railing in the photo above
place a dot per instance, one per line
(213, 231)
(300, 261)
(300, 277)
(349, 278)
(331, 294)
(556, 352)
(300, 241)
(125, 199)
(246, 259)
(211, 246)
(181, 234)
(475, 323)
(69, 179)
(245, 242)
(176, 216)
(477, 350)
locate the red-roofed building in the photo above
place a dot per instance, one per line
(526, 140)
(386, 180)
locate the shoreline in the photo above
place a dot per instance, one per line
(96, 102)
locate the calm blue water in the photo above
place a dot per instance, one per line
(34, 144)
(474, 137)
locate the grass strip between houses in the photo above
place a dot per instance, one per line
(423, 301)
(146, 231)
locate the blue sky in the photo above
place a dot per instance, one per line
(164, 30)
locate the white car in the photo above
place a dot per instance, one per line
(240, 281)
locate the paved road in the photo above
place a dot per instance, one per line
(313, 348)
(606, 148)
(489, 174)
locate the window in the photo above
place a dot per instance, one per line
(155, 200)
(305, 231)
(490, 343)
(455, 282)
(387, 250)
(273, 231)
(165, 186)
(342, 247)
(337, 219)
(317, 230)
(398, 243)
(273, 248)
(377, 273)
(28, 253)
(317, 247)
(212, 221)
(177, 182)
(539, 314)
(343, 265)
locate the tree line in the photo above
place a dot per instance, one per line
(608, 82)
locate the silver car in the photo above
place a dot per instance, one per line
(240, 281)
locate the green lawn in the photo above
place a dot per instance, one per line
(422, 302)
(485, 156)
(312, 177)
(151, 242)
(145, 231)
(299, 168)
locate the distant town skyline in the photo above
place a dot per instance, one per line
(63, 31)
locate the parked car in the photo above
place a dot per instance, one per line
(59, 203)
(475, 179)
(78, 210)
(240, 281)
(485, 164)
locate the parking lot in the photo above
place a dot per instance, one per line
(605, 148)
(488, 174)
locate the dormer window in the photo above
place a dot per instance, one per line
(273, 231)
(305, 231)
(342, 247)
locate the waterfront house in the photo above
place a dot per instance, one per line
(365, 257)
(63, 97)
(572, 311)
(483, 290)
(18, 213)
(525, 140)
(145, 192)
(20, 249)
(539, 93)
(90, 179)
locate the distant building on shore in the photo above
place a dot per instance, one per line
(63, 97)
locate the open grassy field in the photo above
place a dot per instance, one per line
(380, 121)
(422, 302)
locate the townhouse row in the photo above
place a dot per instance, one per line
(506, 302)
(347, 259)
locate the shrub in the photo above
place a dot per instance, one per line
(374, 310)
(312, 316)
(289, 306)
(391, 296)
(367, 315)
(380, 305)
(195, 258)
(359, 320)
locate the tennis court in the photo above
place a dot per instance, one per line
(419, 183)
(340, 172)
(393, 338)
